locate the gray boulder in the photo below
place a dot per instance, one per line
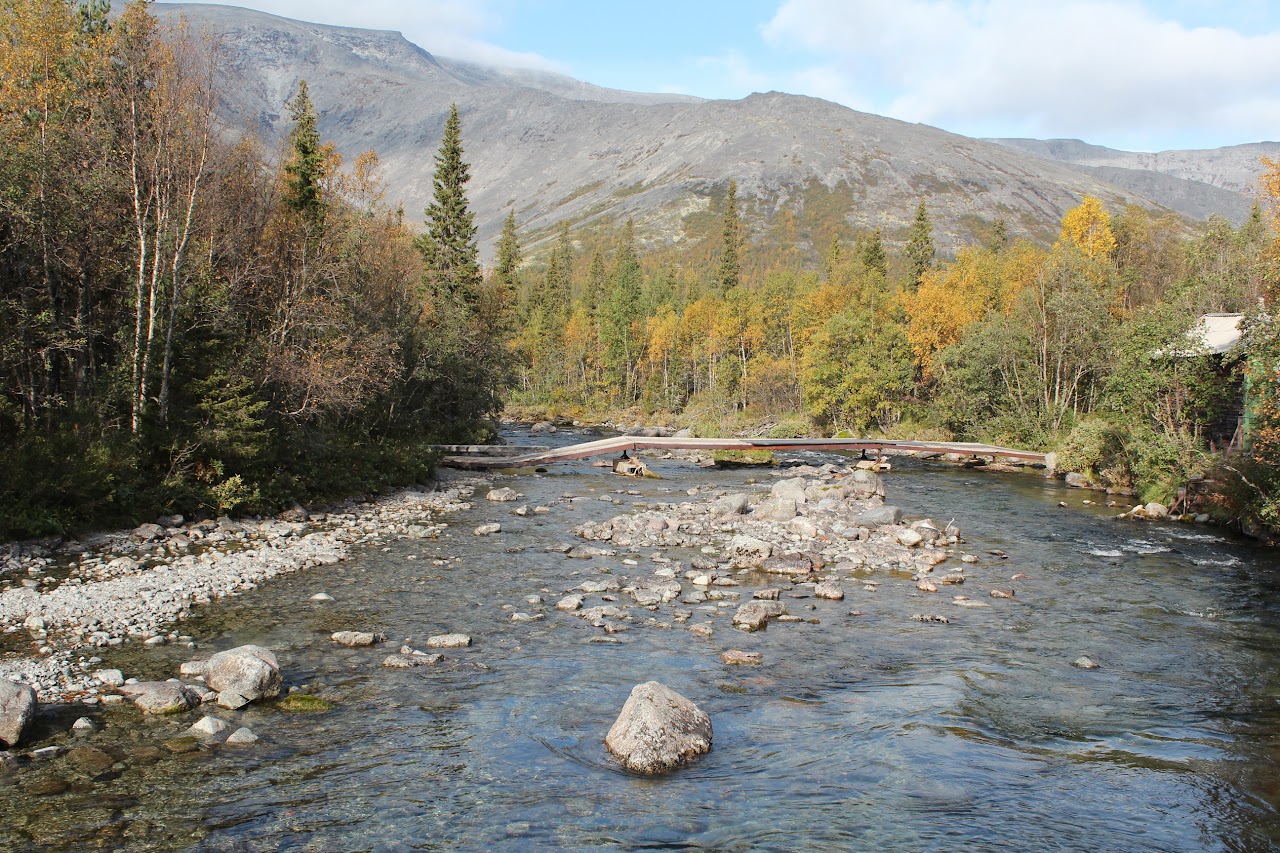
(793, 489)
(250, 671)
(755, 614)
(731, 505)
(878, 516)
(17, 710)
(776, 509)
(862, 485)
(658, 730)
(161, 697)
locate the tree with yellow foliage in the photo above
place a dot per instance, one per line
(1088, 227)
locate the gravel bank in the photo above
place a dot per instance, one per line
(73, 597)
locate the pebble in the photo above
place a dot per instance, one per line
(321, 596)
(448, 641)
(1084, 663)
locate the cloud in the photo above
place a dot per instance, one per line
(458, 29)
(1106, 68)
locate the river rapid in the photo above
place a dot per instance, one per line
(865, 731)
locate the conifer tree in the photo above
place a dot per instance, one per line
(509, 258)
(449, 244)
(729, 275)
(999, 236)
(919, 251)
(873, 256)
(305, 169)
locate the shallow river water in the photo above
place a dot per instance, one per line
(862, 732)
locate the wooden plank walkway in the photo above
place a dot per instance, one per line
(482, 457)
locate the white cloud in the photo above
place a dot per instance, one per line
(1101, 68)
(459, 29)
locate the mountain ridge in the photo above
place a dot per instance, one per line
(558, 149)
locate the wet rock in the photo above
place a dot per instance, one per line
(208, 727)
(952, 578)
(658, 730)
(251, 671)
(355, 639)
(90, 760)
(526, 617)
(1084, 663)
(411, 660)
(829, 590)
(17, 709)
(241, 737)
(569, 603)
(734, 657)
(767, 594)
(182, 745)
(1078, 481)
(503, 495)
(301, 703)
(488, 529)
(755, 615)
(84, 726)
(321, 596)
(161, 698)
(47, 787)
(448, 641)
(542, 428)
(7, 761)
(1002, 593)
(702, 629)
(931, 618)
(1156, 511)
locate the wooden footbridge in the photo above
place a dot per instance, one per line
(488, 457)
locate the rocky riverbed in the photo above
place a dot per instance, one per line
(62, 601)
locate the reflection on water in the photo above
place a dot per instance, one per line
(864, 731)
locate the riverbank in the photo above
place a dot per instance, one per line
(60, 602)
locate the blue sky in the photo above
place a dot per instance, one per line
(1136, 74)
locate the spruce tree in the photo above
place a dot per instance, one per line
(873, 256)
(509, 258)
(919, 251)
(999, 236)
(449, 244)
(305, 169)
(729, 275)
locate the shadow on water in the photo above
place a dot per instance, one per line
(865, 731)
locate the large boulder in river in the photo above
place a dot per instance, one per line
(793, 489)
(160, 697)
(17, 709)
(249, 671)
(755, 614)
(658, 730)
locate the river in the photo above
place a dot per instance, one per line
(867, 731)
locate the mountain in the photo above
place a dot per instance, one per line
(559, 149)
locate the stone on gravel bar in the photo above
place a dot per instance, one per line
(488, 529)
(829, 590)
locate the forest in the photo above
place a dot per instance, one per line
(1082, 347)
(195, 320)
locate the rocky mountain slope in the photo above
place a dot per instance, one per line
(558, 149)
